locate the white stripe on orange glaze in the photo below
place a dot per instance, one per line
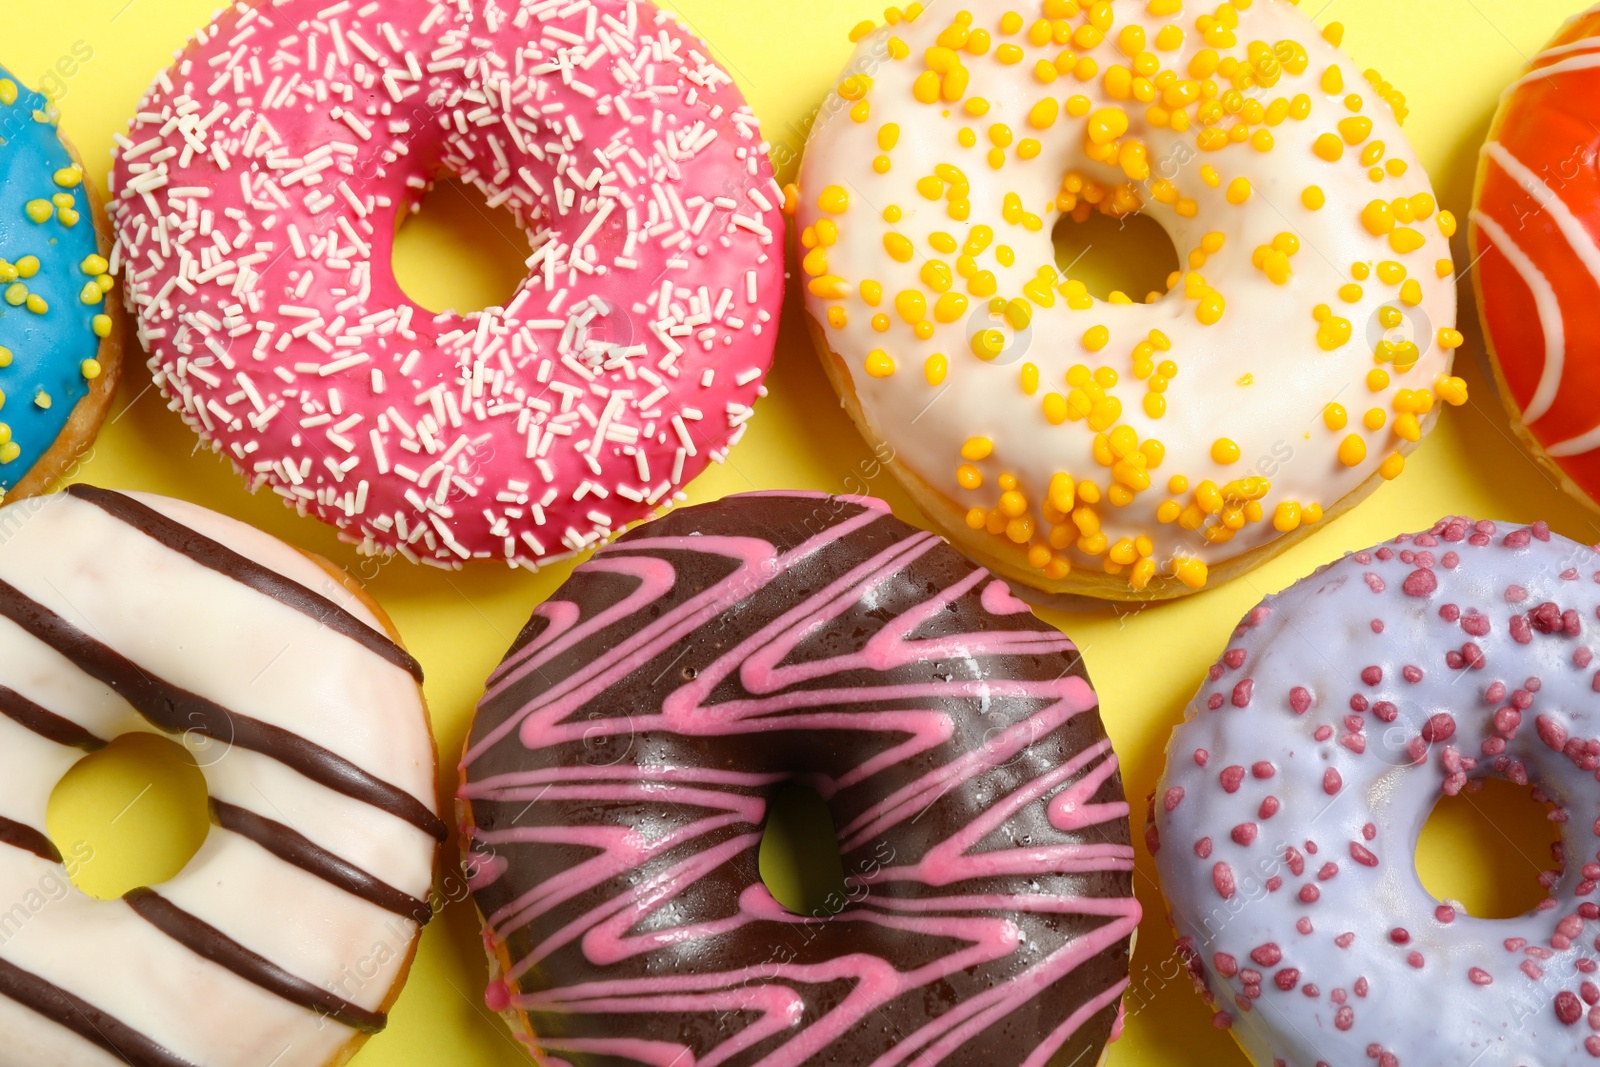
(1550, 317)
(1581, 62)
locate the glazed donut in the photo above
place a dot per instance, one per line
(257, 194)
(616, 780)
(1125, 449)
(60, 339)
(1532, 232)
(1295, 790)
(289, 934)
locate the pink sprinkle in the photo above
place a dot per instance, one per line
(1332, 781)
(1244, 833)
(1569, 1009)
(1300, 699)
(1372, 675)
(1241, 693)
(1269, 807)
(1362, 855)
(1268, 955)
(1412, 674)
(1374, 582)
(1400, 935)
(1263, 769)
(1202, 848)
(1309, 893)
(1420, 583)
(1328, 870)
(1479, 976)
(1226, 965)
(1344, 1018)
(1222, 879)
(1173, 798)
(1440, 727)
(497, 997)
(1231, 778)
(1345, 940)
(1201, 757)
(1551, 732)
(1287, 979)
(1515, 594)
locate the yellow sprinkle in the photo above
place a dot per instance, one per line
(1333, 333)
(8, 92)
(69, 177)
(987, 344)
(1391, 467)
(42, 400)
(1411, 293)
(1374, 419)
(90, 369)
(101, 324)
(834, 200)
(1190, 571)
(40, 211)
(27, 266)
(899, 247)
(94, 265)
(1096, 337)
(1313, 197)
(1239, 190)
(1404, 240)
(1447, 223)
(1449, 338)
(9, 451)
(1452, 391)
(5, 356)
(927, 88)
(1355, 129)
(1378, 218)
(37, 304)
(935, 367)
(829, 287)
(861, 30)
(888, 136)
(1352, 451)
(879, 363)
(1286, 517)
(1225, 451)
(977, 448)
(1107, 124)
(91, 294)
(1377, 379)
(1329, 147)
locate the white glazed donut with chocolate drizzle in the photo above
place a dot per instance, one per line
(288, 935)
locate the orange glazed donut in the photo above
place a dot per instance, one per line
(1533, 232)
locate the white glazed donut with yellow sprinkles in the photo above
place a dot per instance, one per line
(1127, 448)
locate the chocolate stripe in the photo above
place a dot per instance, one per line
(212, 944)
(17, 835)
(178, 711)
(84, 1019)
(247, 572)
(300, 851)
(46, 723)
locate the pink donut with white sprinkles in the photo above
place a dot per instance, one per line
(256, 197)
(1285, 825)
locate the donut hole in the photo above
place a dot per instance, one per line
(799, 855)
(453, 252)
(1485, 850)
(1132, 255)
(132, 814)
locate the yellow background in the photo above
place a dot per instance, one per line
(1450, 57)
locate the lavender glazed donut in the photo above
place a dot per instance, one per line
(257, 194)
(617, 777)
(1296, 789)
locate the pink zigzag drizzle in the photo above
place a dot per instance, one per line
(581, 937)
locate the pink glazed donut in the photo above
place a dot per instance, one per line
(1286, 822)
(256, 197)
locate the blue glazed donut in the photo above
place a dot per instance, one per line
(59, 335)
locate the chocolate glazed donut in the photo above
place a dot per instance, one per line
(616, 782)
